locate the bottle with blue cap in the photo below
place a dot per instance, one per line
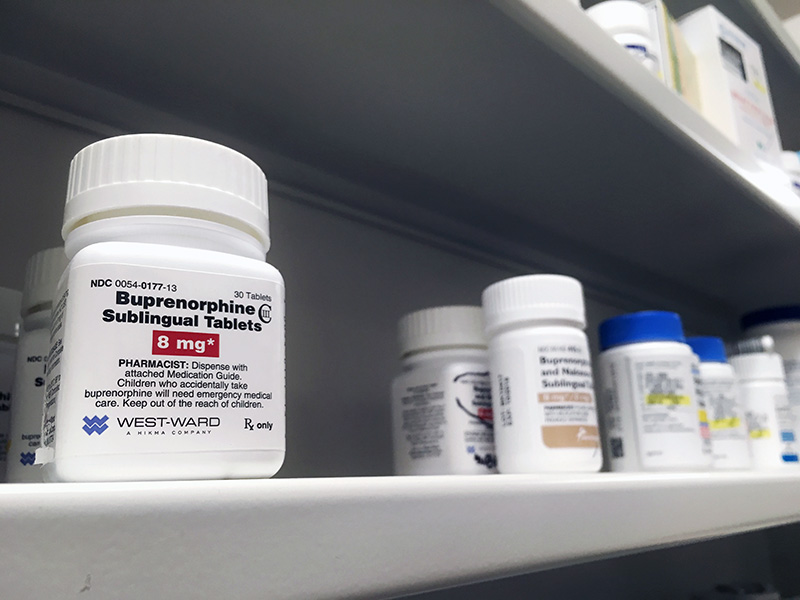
(782, 324)
(647, 393)
(716, 387)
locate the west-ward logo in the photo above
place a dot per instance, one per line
(27, 458)
(95, 424)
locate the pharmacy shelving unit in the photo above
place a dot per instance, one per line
(512, 133)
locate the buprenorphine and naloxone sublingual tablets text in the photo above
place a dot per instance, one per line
(545, 419)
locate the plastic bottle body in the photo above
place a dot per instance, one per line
(26, 416)
(442, 414)
(8, 351)
(772, 441)
(726, 416)
(649, 402)
(786, 335)
(167, 355)
(702, 414)
(543, 397)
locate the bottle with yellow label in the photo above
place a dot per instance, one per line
(770, 422)
(717, 389)
(647, 394)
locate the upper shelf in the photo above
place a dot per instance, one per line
(515, 128)
(356, 537)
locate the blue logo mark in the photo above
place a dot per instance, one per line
(95, 424)
(27, 458)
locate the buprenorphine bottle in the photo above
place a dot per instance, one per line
(648, 394)
(769, 419)
(717, 387)
(782, 324)
(542, 389)
(9, 331)
(41, 278)
(167, 355)
(441, 402)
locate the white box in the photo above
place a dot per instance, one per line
(733, 82)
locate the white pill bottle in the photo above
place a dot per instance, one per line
(167, 355)
(9, 332)
(629, 23)
(770, 421)
(545, 417)
(647, 391)
(441, 402)
(42, 274)
(783, 325)
(726, 416)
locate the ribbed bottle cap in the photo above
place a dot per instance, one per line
(533, 298)
(645, 326)
(42, 273)
(758, 365)
(621, 16)
(708, 348)
(155, 174)
(790, 161)
(441, 327)
(770, 315)
(10, 301)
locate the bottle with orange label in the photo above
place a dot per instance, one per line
(542, 389)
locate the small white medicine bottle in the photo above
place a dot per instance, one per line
(770, 422)
(9, 332)
(542, 391)
(42, 273)
(167, 354)
(726, 415)
(629, 23)
(647, 392)
(441, 402)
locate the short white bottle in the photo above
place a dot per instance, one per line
(628, 22)
(541, 370)
(9, 331)
(769, 418)
(782, 324)
(648, 397)
(726, 416)
(41, 278)
(441, 403)
(167, 354)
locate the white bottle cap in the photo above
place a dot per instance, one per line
(758, 365)
(621, 16)
(533, 298)
(149, 174)
(441, 327)
(42, 273)
(9, 312)
(790, 161)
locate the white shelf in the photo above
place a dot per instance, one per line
(516, 129)
(356, 537)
